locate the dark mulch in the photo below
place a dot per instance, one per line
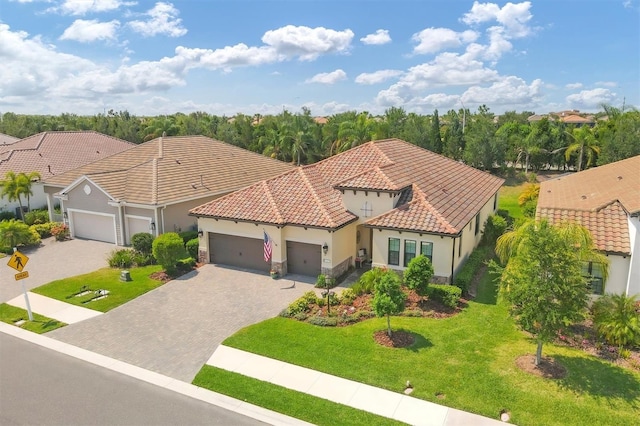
(548, 368)
(398, 339)
(160, 276)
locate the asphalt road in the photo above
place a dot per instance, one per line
(40, 386)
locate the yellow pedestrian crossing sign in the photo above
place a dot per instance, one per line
(18, 261)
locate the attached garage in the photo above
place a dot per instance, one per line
(93, 226)
(137, 224)
(303, 259)
(241, 252)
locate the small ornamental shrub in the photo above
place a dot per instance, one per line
(300, 305)
(348, 296)
(300, 316)
(36, 217)
(186, 264)
(121, 258)
(141, 259)
(366, 283)
(448, 295)
(418, 274)
(192, 247)
(617, 320)
(14, 233)
(388, 298)
(168, 249)
(142, 242)
(493, 228)
(60, 231)
(188, 236)
(323, 321)
(34, 238)
(43, 229)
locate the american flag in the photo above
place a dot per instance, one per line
(267, 247)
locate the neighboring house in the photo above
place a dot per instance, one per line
(52, 153)
(151, 187)
(606, 200)
(383, 202)
(7, 140)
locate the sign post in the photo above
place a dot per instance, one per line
(18, 262)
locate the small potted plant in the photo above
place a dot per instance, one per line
(274, 274)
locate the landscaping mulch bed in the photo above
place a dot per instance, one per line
(548, 368)
(398, 339)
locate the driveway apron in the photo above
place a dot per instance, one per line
(175, 328)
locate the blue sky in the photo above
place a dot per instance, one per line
(225, 57)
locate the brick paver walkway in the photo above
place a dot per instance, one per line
(175, 328)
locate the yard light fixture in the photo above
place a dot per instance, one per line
(65, 215)
(152, 226)
(200, 233)
(325, 248)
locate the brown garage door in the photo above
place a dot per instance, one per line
(241, 252)
(303, 259)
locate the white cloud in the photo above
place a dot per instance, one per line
(432, 40)
(379, 37)
(377, 77)
(513, 17)
(163, 19)
(573, 86)
(307, 43)
(591, 98)
(627, 4)
(606, 83)
(510, 90)
(328, 77)
(91, 30)
(82, 7)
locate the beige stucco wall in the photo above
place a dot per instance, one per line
(37, 201)
(379, 202)
(618, 274)
(175, 217)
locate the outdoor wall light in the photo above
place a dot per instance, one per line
(325, 248)
(65, 215)
(152, 226)
(200, 233)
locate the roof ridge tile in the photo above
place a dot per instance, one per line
(317, 199)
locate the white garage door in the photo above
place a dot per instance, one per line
(93, 226)
(135, 225)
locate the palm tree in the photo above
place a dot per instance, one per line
(31, 177)
(584, 142)
(14, 186)
(354, 133)
(161, 126)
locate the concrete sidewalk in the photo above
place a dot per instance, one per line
(53, 308)
(385, 403)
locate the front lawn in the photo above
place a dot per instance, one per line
(466, 362)
(69, 290)
(508, 198)
(40, 324)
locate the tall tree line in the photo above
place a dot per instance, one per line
(480, 138)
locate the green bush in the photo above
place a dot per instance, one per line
(36, 217)
(186, 264)
(142, 242)
(43, 229)
(192, 247)
(188, 236)
(470, 268)
(301, 304)
(168, 249)
(418, 274)
(348, 296)
(323, 321)
(493, 228)
(14, 233)
(60, 231)
(121, 258)
(617, 320)
(366, 283)
(141, 259)
(447, 294)
(6, 215)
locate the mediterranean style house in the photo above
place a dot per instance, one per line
(606, 200)
(151, 187)
(383, 202)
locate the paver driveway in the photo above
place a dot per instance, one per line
(175, 328)
(54, 260)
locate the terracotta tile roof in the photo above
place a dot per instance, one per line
(7, 140)
(52, 153)
(445, 194)
(175, 168)
(576, 119)
(600, 198)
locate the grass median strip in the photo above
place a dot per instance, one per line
(82, 290)
(40, 324)
(285, 401)
(465, 362)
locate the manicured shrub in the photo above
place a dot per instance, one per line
(470, 268)
(60, 231)
(141, 259)
(348, 296)
(168, 249)
(418, 274)
(186, 264)
(493, 228)
(366, 283)
(142, 242)
(188, 236)
(617, 320)
(300, 305)
(43, 229)
(35, 217)
(448, 295)
(14, 233)
(192, 247)
(323, 321)
(121, 258)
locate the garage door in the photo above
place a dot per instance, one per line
(241, 252)
(136, 225)
(93, 226)
(303, 259)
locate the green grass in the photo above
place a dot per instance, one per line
(102, 279)
(508, 198)
(40, 324)
(470, 358)
(286, 401)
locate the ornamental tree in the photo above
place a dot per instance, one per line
(542, 279)
(418, 274)
(388, 298)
